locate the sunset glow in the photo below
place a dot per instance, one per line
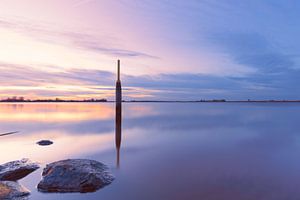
(63, 49)
(149, 99)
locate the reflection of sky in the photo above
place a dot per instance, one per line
(65, 123)
(49, 113)
(169, 49)
(169, 150)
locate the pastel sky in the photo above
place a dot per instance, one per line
(169, 49)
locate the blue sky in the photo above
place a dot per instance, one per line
(185, 50)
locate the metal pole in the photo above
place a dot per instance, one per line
(118, 135)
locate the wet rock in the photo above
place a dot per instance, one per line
(44, 142)
(75, 175)
(12, 191)
(15, 170)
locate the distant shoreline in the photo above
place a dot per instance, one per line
(158, 101)
(212, 101)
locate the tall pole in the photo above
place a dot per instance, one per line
(118, 70)
(118, 136)
(118, 88)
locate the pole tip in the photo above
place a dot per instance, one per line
(118, 74)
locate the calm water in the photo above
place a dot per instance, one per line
(207, 151)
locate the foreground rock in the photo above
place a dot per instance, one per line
(44, 142)
(75, 175)
(15, 170)
(12, 191)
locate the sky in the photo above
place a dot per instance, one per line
(169, 49)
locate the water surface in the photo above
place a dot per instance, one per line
(209, 151)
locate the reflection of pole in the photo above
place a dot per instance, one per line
(118, 115)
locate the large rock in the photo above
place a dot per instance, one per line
(15, 170)
(12, 191)
(75, 175)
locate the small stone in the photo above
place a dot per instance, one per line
(12, 191)
(15, 170)
(75, 175)
(44, 142)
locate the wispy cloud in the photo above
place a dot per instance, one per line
(103, 44)
(254, 50)
(87, 83)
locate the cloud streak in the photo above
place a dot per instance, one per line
(254, 50)
(80, 83)
(73, 38)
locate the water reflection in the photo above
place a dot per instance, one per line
(63, 123)
(118, 131)
(196, 151)
(54, 113)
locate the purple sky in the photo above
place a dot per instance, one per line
(185, 50)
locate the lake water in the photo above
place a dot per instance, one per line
(207, 151)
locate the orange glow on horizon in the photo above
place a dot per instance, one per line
(60, 112)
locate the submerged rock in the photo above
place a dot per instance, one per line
(12, 191)
(44, 142)
(15, 170)
(75, 175)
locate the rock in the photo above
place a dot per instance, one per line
(44, 142)
(16, 170)
(12, 191)
(75, 175)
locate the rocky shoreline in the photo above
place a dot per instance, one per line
(71, 175)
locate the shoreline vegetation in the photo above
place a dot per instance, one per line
(23, 100)
(57, 100)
